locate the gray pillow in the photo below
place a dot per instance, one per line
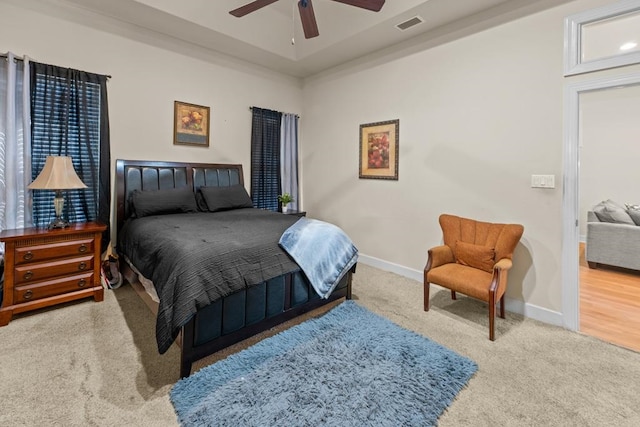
(163, 202)
(226, 198)
(610, 211)
(634, 212)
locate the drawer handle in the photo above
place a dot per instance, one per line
(81, 283)
(28, 256)
(28, 294)
(82, 266)
(28, 275)
(82, 249)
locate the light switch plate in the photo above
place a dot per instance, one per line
(543, 181)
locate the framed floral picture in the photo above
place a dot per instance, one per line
(379, 144)
(190, 124)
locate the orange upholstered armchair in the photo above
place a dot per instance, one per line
(474, 261)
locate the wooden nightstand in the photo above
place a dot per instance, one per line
(295, 212)
(47, 267)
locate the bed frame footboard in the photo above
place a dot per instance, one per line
(192, 350)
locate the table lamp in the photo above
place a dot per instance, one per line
(58, 174)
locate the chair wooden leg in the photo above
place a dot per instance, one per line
(502, 307)
(426, 296)
(453, 295)
(492, 316)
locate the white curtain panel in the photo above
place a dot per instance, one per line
(289, 158)
(15, 143)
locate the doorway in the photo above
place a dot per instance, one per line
(600, 152)
(608, 160)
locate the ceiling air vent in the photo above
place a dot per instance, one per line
(409, 23)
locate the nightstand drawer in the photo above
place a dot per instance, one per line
(45, 267)
(45, 270)
(52, 287)
(42, 252)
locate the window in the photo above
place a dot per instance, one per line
(69, 117)
(601, 38)
(265, 158)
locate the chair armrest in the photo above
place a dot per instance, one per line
(498, 284)
(503, 264)
(438, 256)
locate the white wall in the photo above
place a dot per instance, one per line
(146, 80)
(478, 116)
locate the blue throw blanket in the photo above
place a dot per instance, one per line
(322, 250)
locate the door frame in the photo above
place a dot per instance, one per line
(570, 196)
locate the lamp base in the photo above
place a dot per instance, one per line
(58, 223)
(58, 204)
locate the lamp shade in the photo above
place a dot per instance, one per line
(57, 174)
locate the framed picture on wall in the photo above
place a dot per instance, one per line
(190, 124)
(379, 144)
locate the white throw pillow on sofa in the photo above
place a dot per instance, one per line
(610, 211)
(634, 212)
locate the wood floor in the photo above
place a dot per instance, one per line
(610, 304)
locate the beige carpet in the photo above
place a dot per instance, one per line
(96, 364)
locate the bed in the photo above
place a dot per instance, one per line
(206, 301)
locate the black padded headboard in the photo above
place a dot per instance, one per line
(151, 175)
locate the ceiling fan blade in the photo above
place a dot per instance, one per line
(308, 18)
(374, 5)
(251, 7)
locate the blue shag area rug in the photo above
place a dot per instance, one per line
(349, 367)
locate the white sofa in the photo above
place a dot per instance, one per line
(612, 243)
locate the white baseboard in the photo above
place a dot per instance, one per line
(391, 267)
(534, 312)
(515, 306)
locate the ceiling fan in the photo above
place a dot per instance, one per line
(308, 18)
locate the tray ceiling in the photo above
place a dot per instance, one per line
(272, 37)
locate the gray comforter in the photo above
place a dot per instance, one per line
(197, 258)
